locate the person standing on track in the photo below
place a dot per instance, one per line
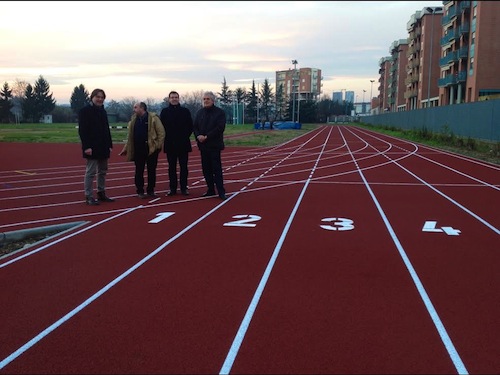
(144, 142)
(95, 137)
(178, 125)
(209, 125)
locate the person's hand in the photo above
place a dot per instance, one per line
(88, 151)
(201, 138)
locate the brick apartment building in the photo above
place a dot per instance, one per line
(450, 57)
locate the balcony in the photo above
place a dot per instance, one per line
(463, 52)
(463, 29)
(464, 6)
(450, 58)
(450, 36)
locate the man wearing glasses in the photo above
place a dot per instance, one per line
(209, 125)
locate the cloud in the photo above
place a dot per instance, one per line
(147, 48)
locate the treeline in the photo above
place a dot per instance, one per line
(26, 103)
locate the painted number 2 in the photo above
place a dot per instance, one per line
(244, 221)
(337, 223)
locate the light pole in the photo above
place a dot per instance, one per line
(371, 94)
(258, 88)
(431, 11)
(363, 106)
(345, 101)
(294, 62)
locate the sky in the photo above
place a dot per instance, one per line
(145, 49)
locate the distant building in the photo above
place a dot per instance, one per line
(305, 84)
(349, 96)
(46, 119)
(383, 99)
(337, 96)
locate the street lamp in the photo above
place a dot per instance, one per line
(431, 11)
(371, 94)
(363, 106)
(345, 100)
(294, 62)
(258, 88)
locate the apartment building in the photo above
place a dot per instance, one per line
(303, 83)
(383, 87)
(470, 51)
(397, 75)
(424, 33)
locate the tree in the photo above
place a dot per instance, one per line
(225, 94)
(63, 114)
(29, 104)
(193, 101)
(5, 103)
(252, 99)
(44, 104)
(280, 102)
(79, 98)
(267, 98)
(18, 90)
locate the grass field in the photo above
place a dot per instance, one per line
(68, 133)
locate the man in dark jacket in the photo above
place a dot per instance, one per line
(95, 136)
(209, 125)
(178, 125)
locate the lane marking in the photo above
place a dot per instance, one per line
(445, 338)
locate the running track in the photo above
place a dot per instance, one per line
(341, 251)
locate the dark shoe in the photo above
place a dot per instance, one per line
(222, 196)
(170, 193)
(209, 194)
(102, 197)
(91, 201)
(185, 192)
(142, 195)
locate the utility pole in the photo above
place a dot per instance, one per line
(294, 62)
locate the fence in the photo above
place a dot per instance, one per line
(478, 120)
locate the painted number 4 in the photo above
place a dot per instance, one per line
(430, 226)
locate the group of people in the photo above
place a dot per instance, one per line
(149, 134)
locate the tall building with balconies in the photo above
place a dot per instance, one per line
(470, 51)
(397, 75)
(299, 84)
(422, 70)
(305, 84)
(383, 87)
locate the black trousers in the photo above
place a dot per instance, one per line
(142, 160)
(173, 157)
(211, 166)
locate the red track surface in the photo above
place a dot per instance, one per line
(342, 251)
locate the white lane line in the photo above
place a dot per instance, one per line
(240, 334)
(66, 237)
(99, 293)
(445, 338)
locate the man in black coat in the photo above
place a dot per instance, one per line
(178, 125)
(208, 127)
(95, 136)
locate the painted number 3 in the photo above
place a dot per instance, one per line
(337, 223)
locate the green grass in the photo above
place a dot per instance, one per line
(445, 140)
(68, 133)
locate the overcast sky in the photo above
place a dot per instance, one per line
(144, 49)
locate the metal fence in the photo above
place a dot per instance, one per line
(478, 120)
